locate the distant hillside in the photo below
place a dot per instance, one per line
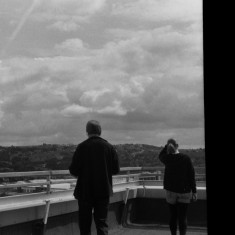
(58, 157)
(147, 155)
(138, 155)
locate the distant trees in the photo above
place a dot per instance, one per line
(138, 155)
(21, 164)
(55, 164)
(4, 155)
(52, 164)
(56, 157)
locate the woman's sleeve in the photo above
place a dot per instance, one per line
(163, 155)
(192, 177)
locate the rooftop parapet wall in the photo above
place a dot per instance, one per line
(145, 206)
(31, 207)
(20, 209)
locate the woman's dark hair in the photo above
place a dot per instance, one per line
(171, 149)
(173, 142)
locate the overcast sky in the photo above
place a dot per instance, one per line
(134, 65)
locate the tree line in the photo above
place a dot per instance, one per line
(58, 157)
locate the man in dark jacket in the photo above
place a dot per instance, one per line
(179, 183)
(94, 162)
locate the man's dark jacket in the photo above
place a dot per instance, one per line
(179, 174)
(94, 162)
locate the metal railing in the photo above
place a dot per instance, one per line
(131, 174)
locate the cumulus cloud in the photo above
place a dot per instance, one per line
(75, 110)
(78, 6)
(67, 15)
(73, 46)
(65, 26)
(159, 10)
(93, 95)
(1, 113)
(115, 109)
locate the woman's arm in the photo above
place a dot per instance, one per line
(192, 177)
(163, 155)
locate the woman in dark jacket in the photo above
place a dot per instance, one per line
(179, 183)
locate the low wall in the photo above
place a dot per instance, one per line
(61, 224)
(140, 212)
(146, 206)
(152, 212)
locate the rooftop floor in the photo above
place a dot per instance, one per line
(141, 231)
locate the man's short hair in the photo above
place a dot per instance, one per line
(93, 127)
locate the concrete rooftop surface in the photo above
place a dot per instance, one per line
(141, 231)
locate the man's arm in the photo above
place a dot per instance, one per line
(115, 162)
(75, 164)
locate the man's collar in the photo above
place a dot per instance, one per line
(96, 136)
(93, 135)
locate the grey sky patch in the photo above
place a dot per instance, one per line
(136, 66)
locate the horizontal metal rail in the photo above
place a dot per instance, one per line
(66, 172)
(62, 181)
(24, 185)
(143, 175)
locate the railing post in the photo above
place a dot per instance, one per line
(124, 212)
(46, 211)
(159, 175)
(144, 189)
(128, 177)
(49, 181)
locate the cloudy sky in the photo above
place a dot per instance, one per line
(134, 65)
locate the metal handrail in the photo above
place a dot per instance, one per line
(66, 172)
(48, 181)
(23, 185)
